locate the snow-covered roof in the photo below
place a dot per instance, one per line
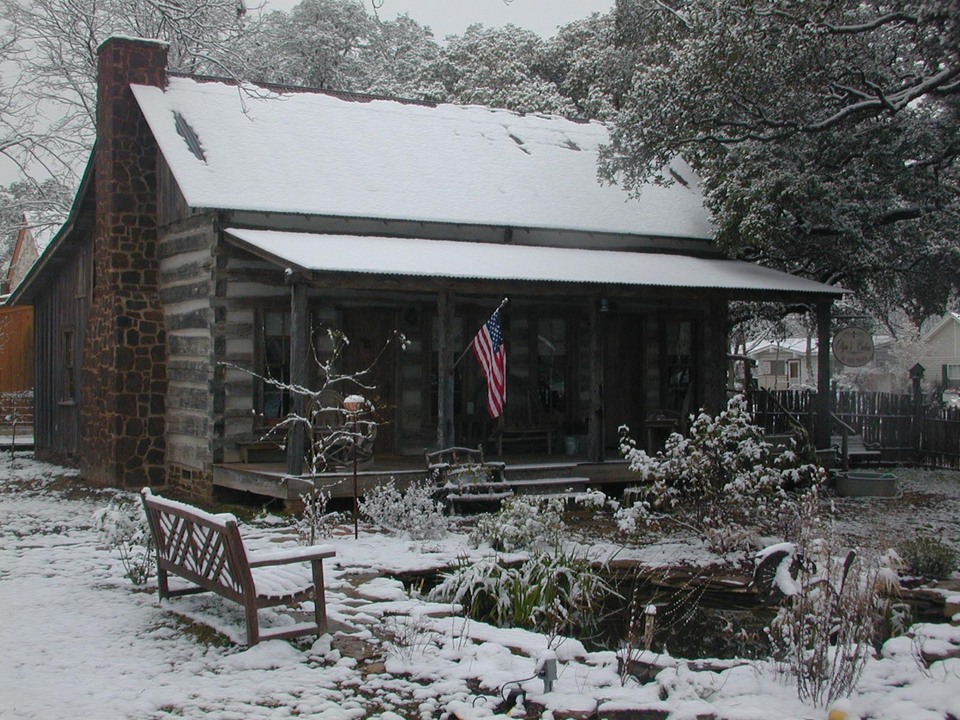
(796, 346)
(951, 318)
(468, 260)
(319, 154)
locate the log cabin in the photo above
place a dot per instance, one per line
(219, 227)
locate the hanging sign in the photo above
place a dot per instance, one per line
(853, 346)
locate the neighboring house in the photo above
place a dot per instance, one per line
(16, 323)
(941, 357)
(785, 365)
(30, 243)
(217, 227)
(791, 364)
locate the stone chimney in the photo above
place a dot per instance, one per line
(124, 360)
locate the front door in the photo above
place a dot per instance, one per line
(622, 377)
(372, 346)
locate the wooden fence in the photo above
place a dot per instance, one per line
(16, 408)
(906, 433)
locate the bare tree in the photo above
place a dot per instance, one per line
(49, 51)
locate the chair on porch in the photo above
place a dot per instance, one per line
(659, 424)
(331, 432)
(524, 422)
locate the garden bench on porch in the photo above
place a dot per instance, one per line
(463, 476)
(524, 422)
(208, 551)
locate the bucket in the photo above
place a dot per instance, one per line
(569, 445)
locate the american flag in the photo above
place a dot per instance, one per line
(492, 356)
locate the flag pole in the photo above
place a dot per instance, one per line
(470, 345)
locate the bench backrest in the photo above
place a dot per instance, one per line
(454, 456)
(202, 547)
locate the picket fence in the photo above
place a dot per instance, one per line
(907, 432)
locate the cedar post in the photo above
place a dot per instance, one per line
(595, 424)
(299, 343)
(822, 435)
(445, 428)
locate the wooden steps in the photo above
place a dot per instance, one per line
(484, 496)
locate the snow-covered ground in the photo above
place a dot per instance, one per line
(80, 641)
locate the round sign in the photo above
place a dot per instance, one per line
(853, 346)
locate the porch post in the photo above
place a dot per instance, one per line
(299, 344)
(822, 436)
(445, 427)
(595, 424)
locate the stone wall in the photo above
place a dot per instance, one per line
(191, 485)
(124, 361)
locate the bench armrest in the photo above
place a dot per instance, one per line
(290, 555)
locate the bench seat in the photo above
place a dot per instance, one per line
(207, 551)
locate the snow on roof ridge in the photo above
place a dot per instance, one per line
(281, 88)
(317, 153)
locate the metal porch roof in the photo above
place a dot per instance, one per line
(415, 257)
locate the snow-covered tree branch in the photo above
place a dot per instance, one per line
(827, 134)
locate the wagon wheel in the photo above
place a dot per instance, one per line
(332, 434)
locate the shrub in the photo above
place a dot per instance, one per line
(548, 593)
(723, 475)
(831, 611)
(523, 522)
(414, 513)
(929, 557)
(316, 523)
(123, 527)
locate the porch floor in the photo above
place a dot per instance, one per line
(269, 479)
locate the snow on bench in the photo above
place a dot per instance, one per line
(208, 551)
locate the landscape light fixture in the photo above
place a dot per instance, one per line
(353, 404)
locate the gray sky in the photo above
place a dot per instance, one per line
(451, 17)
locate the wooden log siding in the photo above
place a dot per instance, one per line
(186, 284)
(245, 286)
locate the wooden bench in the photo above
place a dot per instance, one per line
(261, 451)
(207, 550)
(524, 422)
(463, 476)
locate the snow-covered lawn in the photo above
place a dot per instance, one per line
(80, 641)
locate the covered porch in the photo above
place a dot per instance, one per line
(596, 339)
(546, 472)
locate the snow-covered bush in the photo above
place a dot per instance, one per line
(719, 478)
(833, 605)
(315, 522)
(549, 593)
(123, 527)
(929, 557)
(414, 513)
(523, 522)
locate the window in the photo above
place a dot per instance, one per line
(275, 365)
(778, 367)
(679, 353)
(952, 372)
(552, 363)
